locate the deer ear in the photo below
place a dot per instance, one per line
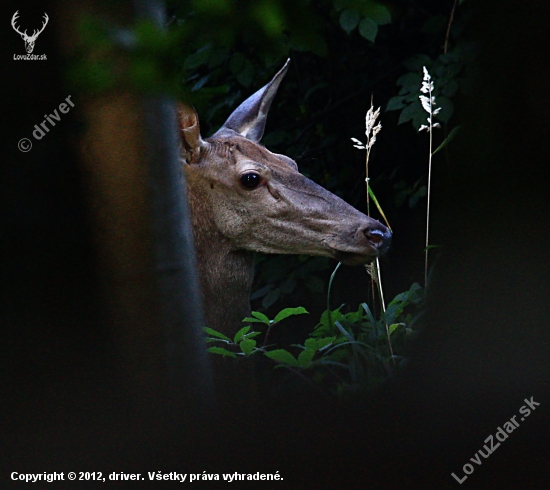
(190, 133)
(249, 118)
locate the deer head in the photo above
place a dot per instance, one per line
(29, 40)
(259, 201)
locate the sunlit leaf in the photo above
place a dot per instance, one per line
(282, 356)
(215, 333)
(240, 334)
(247, 346)
(289, 312)
(221, 351)
(305, 357)
(448, 139)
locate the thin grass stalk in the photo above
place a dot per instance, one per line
(328, 294)
(429, 105)
(371, 130)
(428, 215)
(449, 27)
(381, 293)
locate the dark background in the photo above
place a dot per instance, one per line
(484, 349)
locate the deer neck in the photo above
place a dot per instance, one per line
(226, 274)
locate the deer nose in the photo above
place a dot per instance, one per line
(378, 235)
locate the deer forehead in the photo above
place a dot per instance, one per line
(240, 153)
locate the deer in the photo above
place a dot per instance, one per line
(245, 199)
(29, 40)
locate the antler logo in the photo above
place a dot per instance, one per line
(29, 40)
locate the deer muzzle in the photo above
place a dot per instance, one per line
(378, 236)
(362, 245)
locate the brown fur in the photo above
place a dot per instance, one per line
(226, 274)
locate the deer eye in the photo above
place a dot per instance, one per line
(250, 180)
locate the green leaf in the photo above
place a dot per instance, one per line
(288, 286)
(407, 114)
(252, 320)
(262, 291)
(373, 197)
(200, 83)
(335, 315)
(345, 333)
(318, 344)
(271, 297)
(420, 192)
(447, 140)
(325, 342)
(369, 314)
(379, 14)
(392, 312)
(282, 356)
(411, 81)
(197, 59)
(368, 29)
(429, 247)
(221, 351)
(447, 108)
(395, 103)
(415, 112)
(236, 64)
(261, 317)
(215, 333)
(450, 89)
(322, 328)
(247, 346)
(240, 334)
(217, 57)
(305, 358)
(400, 298)
(311, 344)
(393, 326)
(349, 19)
(289, 312)
(213, 339)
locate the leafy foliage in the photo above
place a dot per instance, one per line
(345, 352)
(345, 54)
(365, 16)
(243, 342)
(447, 69)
